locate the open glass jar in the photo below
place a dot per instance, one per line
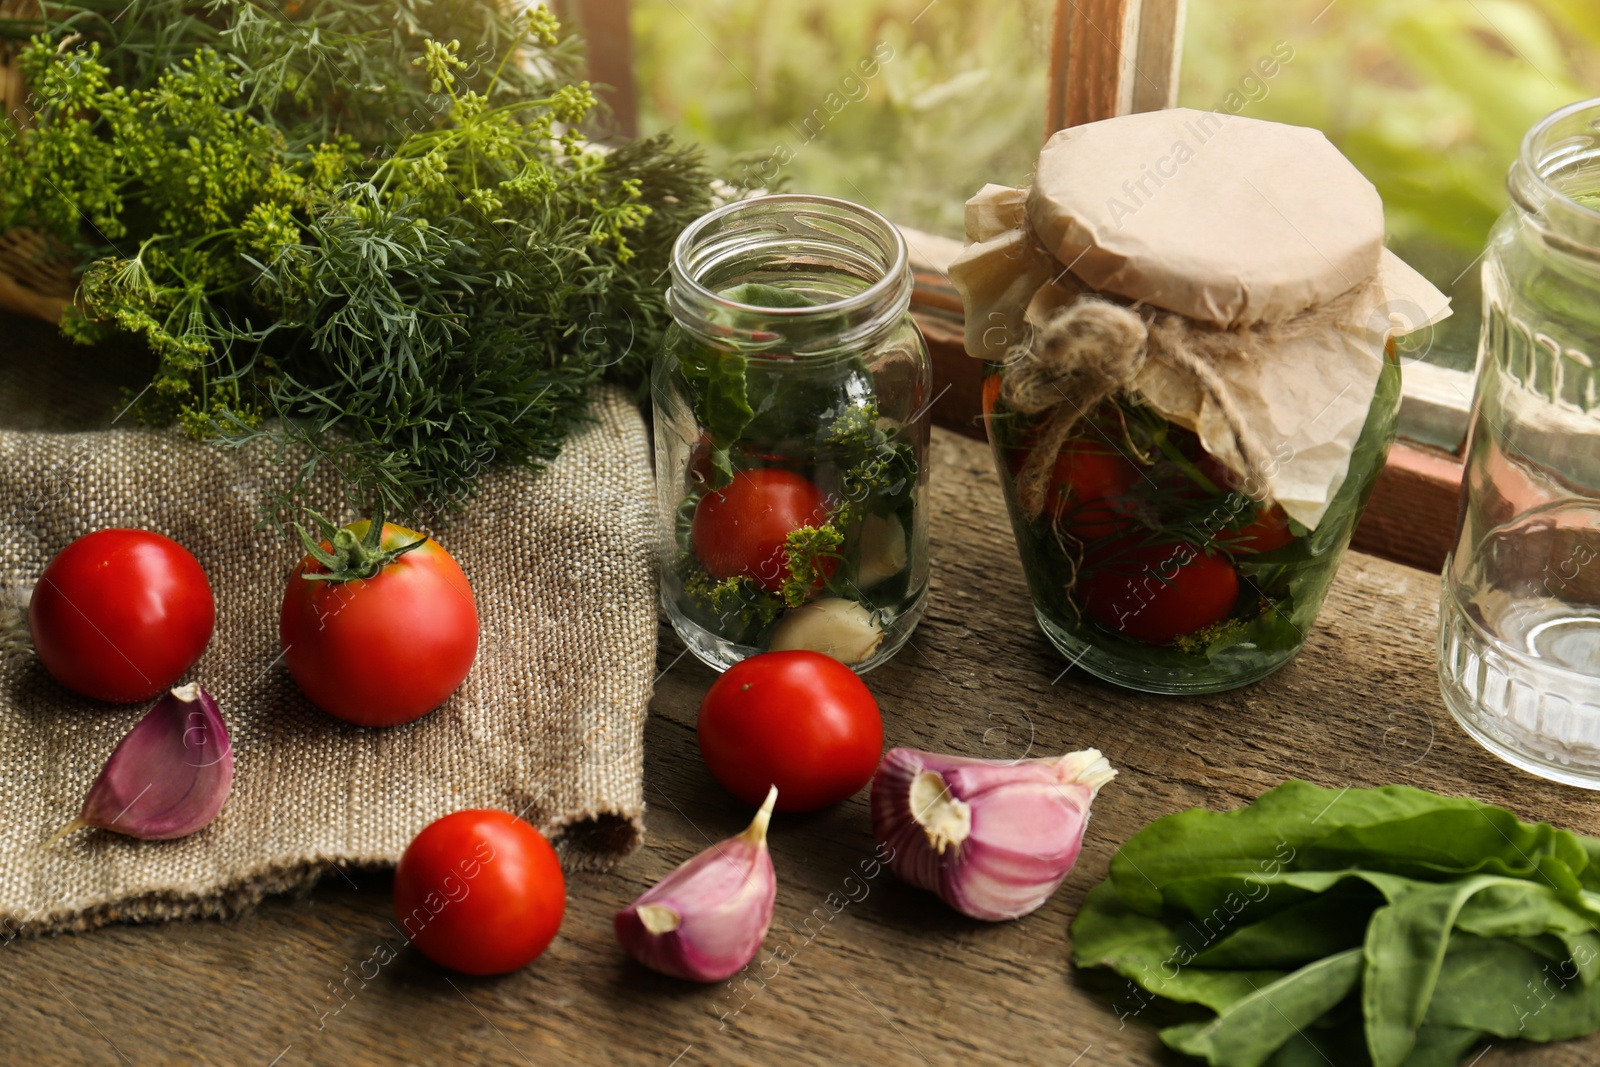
(1190, 385)
(791, 434)
(1519, 625)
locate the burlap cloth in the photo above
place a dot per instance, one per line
(549, 723)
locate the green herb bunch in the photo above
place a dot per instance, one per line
(339, 227)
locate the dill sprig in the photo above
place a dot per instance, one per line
(344, 230)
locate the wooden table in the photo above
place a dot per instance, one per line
(880, 973)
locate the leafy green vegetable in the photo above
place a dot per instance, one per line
(1420, 921)
(1503, 988)
(721, 401)
(1252, 1028)
(340, 228)
(743, 392)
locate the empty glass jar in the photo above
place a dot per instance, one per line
(1519, 632)
(791, 434)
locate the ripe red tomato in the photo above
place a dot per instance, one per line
(742, 528)
(1267, 531)
(120, 615)
(383, 650)
(1089, 488)
(1155, 593)
(480, 892)
(801, 721)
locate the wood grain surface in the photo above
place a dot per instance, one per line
(877, 973)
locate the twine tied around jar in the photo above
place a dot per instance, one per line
(1091, 348)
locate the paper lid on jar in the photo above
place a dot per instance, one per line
(1226, 220)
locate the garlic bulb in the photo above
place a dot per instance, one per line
(706, 919)
(170, 775)
(833, 626)
(883, 550)
(993, 838)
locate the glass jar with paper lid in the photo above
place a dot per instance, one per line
(1190, 385)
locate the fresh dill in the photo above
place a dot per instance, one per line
(372, 233)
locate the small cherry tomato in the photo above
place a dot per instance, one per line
(1267, 531)
(801, 721)
(383, 649)
(120, 615)
(1155, 593)
(1089, 489)
(742, 529)
(480, 892)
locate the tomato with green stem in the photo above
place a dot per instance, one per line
(378, 624)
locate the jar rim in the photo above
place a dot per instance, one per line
(1533, 153)
(882, 289)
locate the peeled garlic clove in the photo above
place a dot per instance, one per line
(993, 838)
(883, 550)
(706, 920)
(169, 776)
(833, 626)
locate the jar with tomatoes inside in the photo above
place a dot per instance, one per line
(1191, 384)
(791, 434)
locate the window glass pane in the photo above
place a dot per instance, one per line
(904, 105)
(1429, 98)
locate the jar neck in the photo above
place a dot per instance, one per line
(1555, 182)
(842, 269)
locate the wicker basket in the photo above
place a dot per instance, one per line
(36, 272)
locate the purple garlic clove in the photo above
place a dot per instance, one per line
(169, 776)
(993, 838)
(706, 919)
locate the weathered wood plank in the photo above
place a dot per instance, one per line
(608, 35)
(1411, 517)
(1093, 56)
(1155, 82)
(892, 978)
(1112, 57)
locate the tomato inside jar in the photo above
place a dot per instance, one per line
(791, 424)
(1151, 562)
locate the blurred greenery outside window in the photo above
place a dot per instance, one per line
(905, 106)
(909, 107)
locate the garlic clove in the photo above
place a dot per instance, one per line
(993, 838)
(707, 919)
(169, 776)
(883, 550)
(833, 626)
